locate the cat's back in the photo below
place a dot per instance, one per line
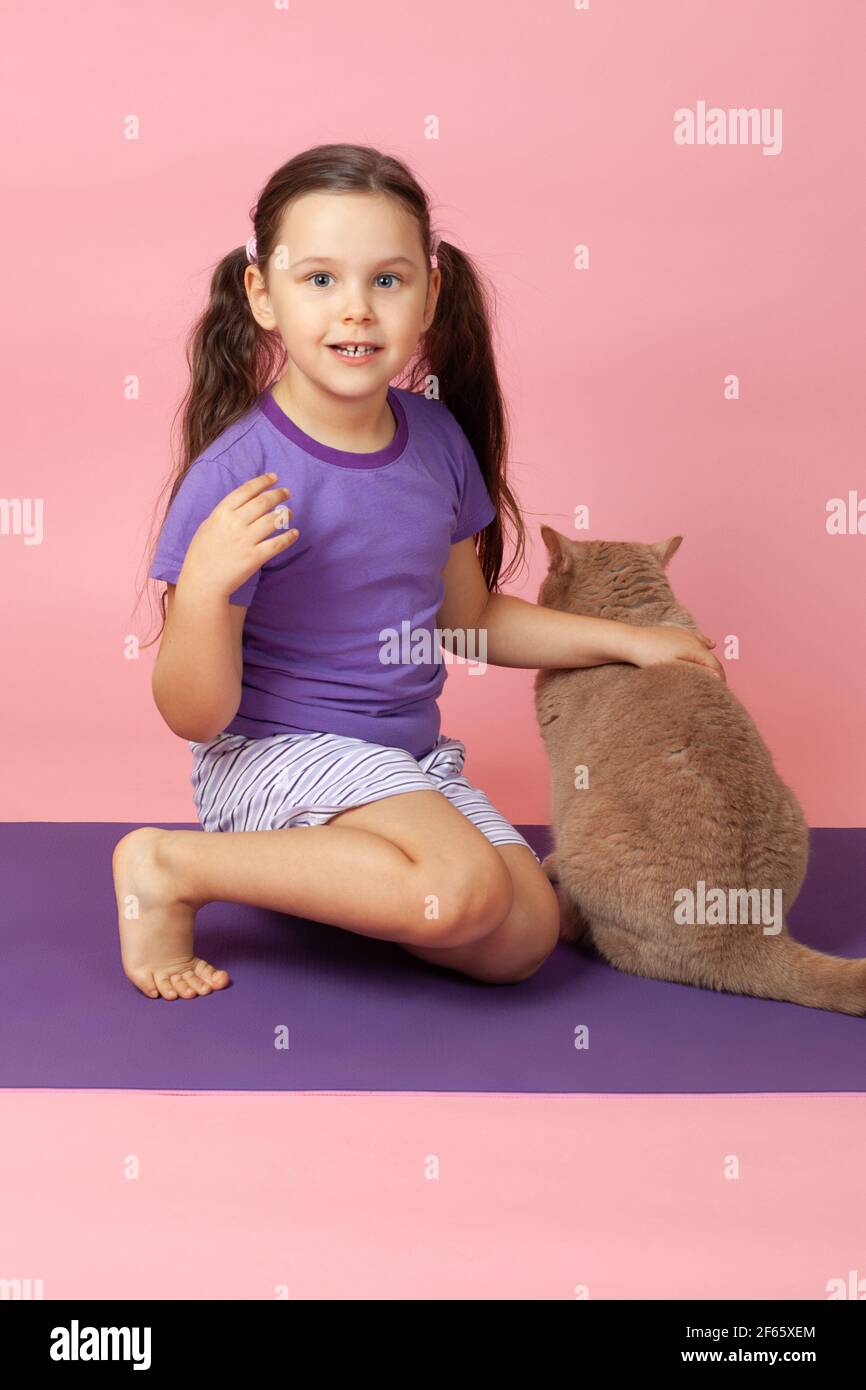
(619, 715)
(660, 770)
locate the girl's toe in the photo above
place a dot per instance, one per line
(217, 979)
(195, 982)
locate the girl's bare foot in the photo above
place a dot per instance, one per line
(156, 926)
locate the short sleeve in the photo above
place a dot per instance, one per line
(206, 483)
(476, 510)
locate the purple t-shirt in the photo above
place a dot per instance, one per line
(375, 534)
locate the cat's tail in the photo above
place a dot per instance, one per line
(769, 967)
(786, 969)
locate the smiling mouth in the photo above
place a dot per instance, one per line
(355, 349)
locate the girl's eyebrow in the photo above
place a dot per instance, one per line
(329, 260)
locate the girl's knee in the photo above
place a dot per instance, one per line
(468, 899)
(529, 935)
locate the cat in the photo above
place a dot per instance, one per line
(681, 797)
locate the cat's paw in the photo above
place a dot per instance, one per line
(573, 926)
(548, 864)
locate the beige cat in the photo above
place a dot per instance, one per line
(664, 793)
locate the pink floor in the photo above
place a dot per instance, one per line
(252, 1195)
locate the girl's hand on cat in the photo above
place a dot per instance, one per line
(649, 646)
(238, 536)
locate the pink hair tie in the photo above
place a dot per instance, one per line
(434, 259)
(251, 249)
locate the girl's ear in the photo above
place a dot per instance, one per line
(663, 550)
(560, 553)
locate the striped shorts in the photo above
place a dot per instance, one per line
(285, 780)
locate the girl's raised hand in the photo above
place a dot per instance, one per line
(238, 536)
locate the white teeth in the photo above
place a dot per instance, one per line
(355, 352)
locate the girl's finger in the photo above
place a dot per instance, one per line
(257, 506)
(252, 488)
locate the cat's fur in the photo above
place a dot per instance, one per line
(681, 788)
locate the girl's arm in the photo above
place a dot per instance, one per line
(197, 676)
(524, 634)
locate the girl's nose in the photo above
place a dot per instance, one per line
(356, 301)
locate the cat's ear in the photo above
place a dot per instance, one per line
(663, 550)
(560, 555)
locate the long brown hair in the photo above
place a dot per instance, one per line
(232, 359)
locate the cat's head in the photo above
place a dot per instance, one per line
(624, 580)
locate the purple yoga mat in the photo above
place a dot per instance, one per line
(364, 1015)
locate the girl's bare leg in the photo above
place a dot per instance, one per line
(443, 882)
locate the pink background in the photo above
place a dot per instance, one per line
(556, 128)
(326, 1194)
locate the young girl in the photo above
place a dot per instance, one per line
(277, 658)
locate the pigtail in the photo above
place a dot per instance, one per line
(458, 354)
(231, 359)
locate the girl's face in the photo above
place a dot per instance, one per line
(347, 267)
